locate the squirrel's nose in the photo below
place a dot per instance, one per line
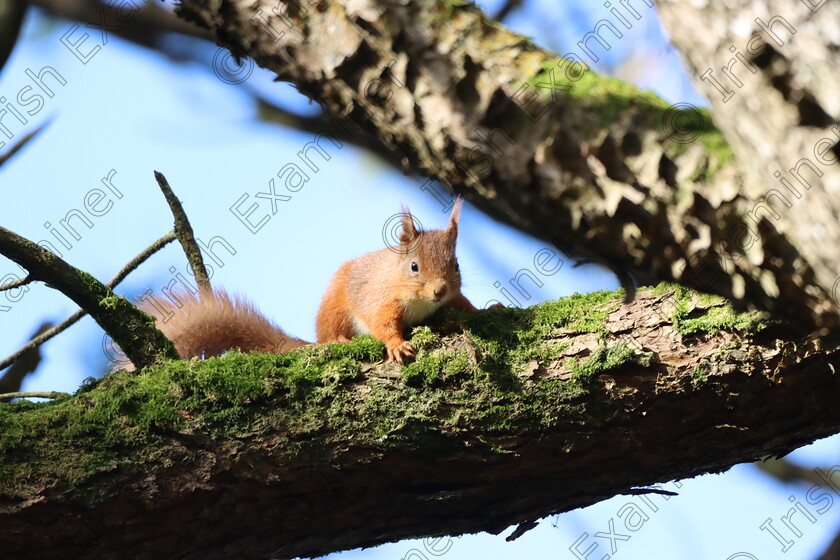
(440, 291)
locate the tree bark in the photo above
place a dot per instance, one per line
(523, 414)
(769, 70)
(591, 163)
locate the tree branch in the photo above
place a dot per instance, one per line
(321, 124)
(321, 449)
(144, 28)
(24, 364)
(131, 329)
(20, 144)
(506, 8)
(145, 32)
(16, 284)
(184, 233)
(74, 318)
(591, 163)
(779, 112)
(33, 395)
(142, 257)
(11, 18)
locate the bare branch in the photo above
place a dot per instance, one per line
(74, 318)
(16, 284)
(506, 9)
(11, 18)
(42, 338)
(27, 363)
(141, 258)
(184, 233)
(21, 143)
(328, 124)
(144, 28)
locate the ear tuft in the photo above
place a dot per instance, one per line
(452, 228)
(409, 231)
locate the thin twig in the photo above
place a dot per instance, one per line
(39, 340)
(16, 284)
(74, 318)
(521, 529)
(13, 376)
(335, 126)
(184, 232)
(506, 9)
(641, 491)
(141, 258)
(34, 394)
(21, 143)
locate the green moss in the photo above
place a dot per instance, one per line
(465, 377)
(423, 338)
(716, 319)
(438, 366)
(663, 288)
(613, 96)
(506, 340)
(111, 302)
(607, 97)
(700, 373)
(696, 313)
(606, 358)
(578, 313)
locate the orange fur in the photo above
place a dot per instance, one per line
(379, 292)
(216, 322)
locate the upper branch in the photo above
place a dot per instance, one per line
(591, 163)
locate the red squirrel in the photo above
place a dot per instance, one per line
(380, 293)
(383, 292)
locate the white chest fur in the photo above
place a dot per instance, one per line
(419, 310)
(359, 327)
(415, 313)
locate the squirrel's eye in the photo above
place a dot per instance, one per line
(457, 266)
(414, 267)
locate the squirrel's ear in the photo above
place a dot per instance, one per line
(455, 216)
(409, 231)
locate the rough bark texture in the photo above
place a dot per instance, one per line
(590, 163)
(769, 70)
(523, 414)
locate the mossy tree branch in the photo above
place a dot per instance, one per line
(589, 162)
(52, 331)
(132, 329)
(499, 422)
(33, 395)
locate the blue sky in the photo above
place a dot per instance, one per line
(128, 111)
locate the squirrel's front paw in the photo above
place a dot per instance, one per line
(400, 353)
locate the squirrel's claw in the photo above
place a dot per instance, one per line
(400, 353)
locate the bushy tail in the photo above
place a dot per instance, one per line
(213, 323)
